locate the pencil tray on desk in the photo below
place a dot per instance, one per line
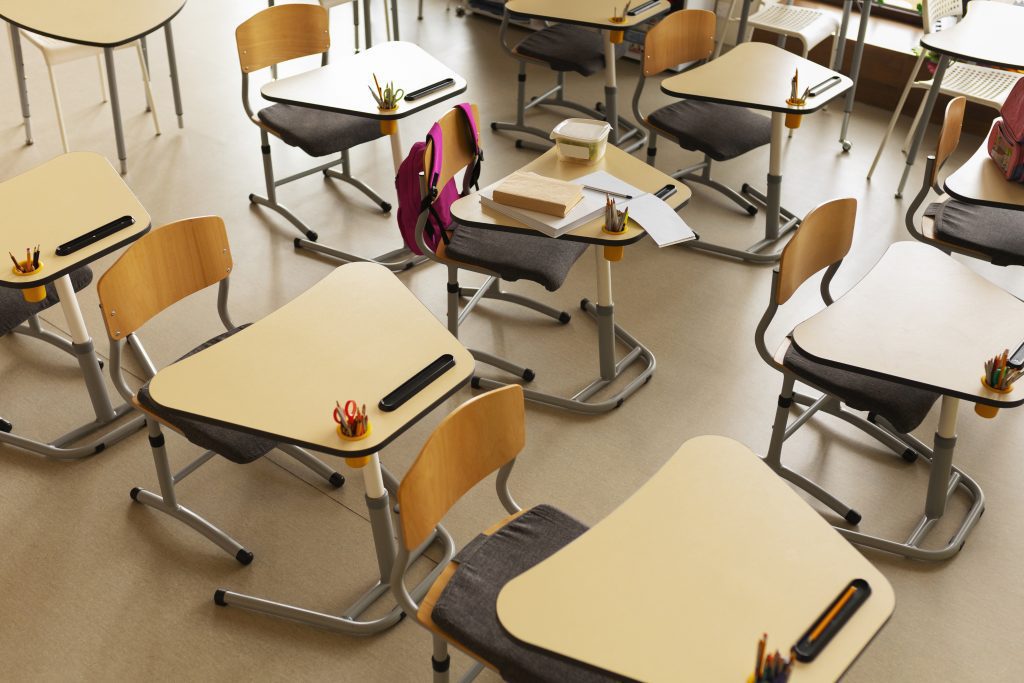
(807, 649)
(32, 295)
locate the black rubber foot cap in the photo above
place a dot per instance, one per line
(853, 517)
(564, 318)
(475, 382)
(745, 189)
(218, 598)
(244, 556)
(529, 374)
(583, 304)
(134, 493)
(101, 364)
(494, 125)
(519, 144)
(385, 207)
(5, 426)
(297, 242)
(252, 198)
(752, 210)
(337, 480)
(312, 236)
(909, 455)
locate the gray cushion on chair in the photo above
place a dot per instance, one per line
(996, 232)
(14, 310)
(467, 607)
(566, 48)
(318, 133)
(721, 131)
(904, 407)
(515, 256)
(233, 445)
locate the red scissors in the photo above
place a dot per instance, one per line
(351, 411)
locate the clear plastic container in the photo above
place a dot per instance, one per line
(581, 140)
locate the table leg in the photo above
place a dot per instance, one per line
(173, 62)
(844, 24)
(84, 350)
(858, 53)
(19, 74)
(922, 124)
(774, 189)
(610, 99)
(394, 19)
(605, 316)
(397, 153)
(942, 460)
(366, 25)
(115, 108)
(741, 30)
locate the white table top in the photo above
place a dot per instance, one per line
(280, 377)
(919, 318)
(983, 35)
(596, 13)
(755, 75)
(680, 581)
(57, 201)
(341, 86)
(103, 23)
(979, 181)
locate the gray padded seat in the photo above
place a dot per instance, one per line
(515, 256)
(999, 233)
(232, 444)
(565, 47)
(721, 131)
(14, 310)
(318, 133)
(467, 607)
(904, 407)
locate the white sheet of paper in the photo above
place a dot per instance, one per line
(661, 222)
(606, 181)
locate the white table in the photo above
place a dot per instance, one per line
(100, 23)
(979, 181)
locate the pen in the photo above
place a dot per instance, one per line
(608, 192)
(793, 85)
(639, 9)
(17, 266)
(826, 84)
(35, 258)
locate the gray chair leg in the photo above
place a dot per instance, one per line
(704, 178)
(335, 479)
(346, 176)
(440, 660)
(270, 201)
(521, 106)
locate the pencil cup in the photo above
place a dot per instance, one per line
(986, 410)
(793, 120)
(344, 437)
(389, 127)
(33, 295)
(616, 37)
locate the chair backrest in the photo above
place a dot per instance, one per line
(934, 11)
(480, 436)
(161, 268)
(280, 33)
(949, 135)
(823, 239)
(684, 36)
(457, 153)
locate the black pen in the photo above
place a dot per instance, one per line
(639, 10)
(826, 84)
(426, 90)
(94, 235)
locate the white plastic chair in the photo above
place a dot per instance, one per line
(979, 84)
(809, 26)
(60, 52)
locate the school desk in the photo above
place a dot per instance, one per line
(596, 14)
(100, 23)
(364, 334)
(979, 181)
(981, 37)
(758, 76)
(628, 168)
(923, 319)
(681, 580)
(50, 205)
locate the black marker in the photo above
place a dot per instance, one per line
(416, 94)
(95, 235)
(417, 382)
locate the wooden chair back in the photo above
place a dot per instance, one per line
(684, 36)
(161, 268)
(280, 33)
(949, 136)
(457, 153)
(823, 239)
(479, 437)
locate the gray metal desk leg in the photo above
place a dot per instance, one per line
(741, 30)
(367, 28)
(173, 63)
(922, 124)
(115, 108)
(858, 53)
(394, 20)
(610, 98)
(844, 24)
(19, 72)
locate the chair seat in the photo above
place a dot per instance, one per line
(565, 47)
(232, 444)
(979, 84)
(812, 25)
(467, 607)
(318, 133)
(997, 233)
(904, 407)
(514, 256)
(721, 131)
(14, 310)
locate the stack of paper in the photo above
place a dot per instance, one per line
(534, 192)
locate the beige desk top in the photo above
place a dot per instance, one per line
(596, 13)
(280, 377)
(755, 75)
(980, 35)
(979, 181)
(679, 582)
(102, 23)
(57, 201)
(341, 86)
(920, 318)
(620, 164)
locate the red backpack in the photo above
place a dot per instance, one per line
(1006, 141)
(436, 203)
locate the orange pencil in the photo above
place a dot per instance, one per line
(823, 624)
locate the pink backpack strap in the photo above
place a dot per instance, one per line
(436, 140)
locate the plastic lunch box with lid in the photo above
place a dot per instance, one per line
(581, 140)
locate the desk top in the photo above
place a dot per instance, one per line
(979, 36)
(342, 86)
(57, 201)
(280, 377)
(755, 75)
(919, 318)
(103, 23)
(680, 581)
(596, 13)
(979, 181)
(620, 164)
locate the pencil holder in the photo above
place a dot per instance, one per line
(985, 410)
(345, 437)
(613, 254)
(793, 120)
(353, 422)
(616, 37)
(388, 97)
(389, 127)
(32, 295)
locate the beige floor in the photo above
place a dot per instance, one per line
(94, 587)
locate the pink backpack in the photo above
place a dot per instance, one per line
(1006, 141)
(437, 202)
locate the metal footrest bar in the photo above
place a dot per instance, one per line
(183, 514)
(59, 451)
(193, 466)
(407, 258)
(753, 253)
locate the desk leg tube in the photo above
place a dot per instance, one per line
(380, 516)
(858, 53)
(82, 345)
(605, 316)
(115, 108)
(741, 30)
(173, 62)
(942, 459)
(19, 71)
(611, 107)
(922, 124)
(396, 147)
(367, 28)
(774, 190)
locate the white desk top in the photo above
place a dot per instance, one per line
(596, 13)
(680, 581)
(341, 86)
(983, 35)
(919, 318)
(103, 23)
(280, 377)
(755, 75)
(468, 210)
(57, 201)
(979, 181)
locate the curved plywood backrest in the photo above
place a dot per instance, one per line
(823, 238)
(949, 136)
(280, 33)
(684, 36)
(457, 153)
